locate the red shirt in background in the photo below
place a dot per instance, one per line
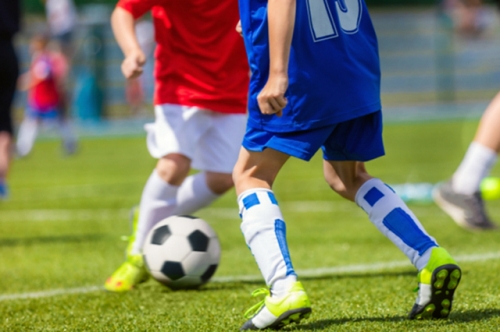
(45, 72)
(200, 58)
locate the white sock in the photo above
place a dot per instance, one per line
(393, 218)
(28, 130)
(475, 166)
(194, 194)
(265, 234)
(158, 202)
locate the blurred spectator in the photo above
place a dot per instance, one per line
(9, 25)
(62, 19)
(468, 15)
(44, 83)
(135, 89)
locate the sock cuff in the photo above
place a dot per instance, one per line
(367, 195)
(482, 151)
(255, 196)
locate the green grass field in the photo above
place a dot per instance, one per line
(60, 239)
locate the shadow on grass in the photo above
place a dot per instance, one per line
(474, 315)
(327, 323)
(456, 317)
(50, 240)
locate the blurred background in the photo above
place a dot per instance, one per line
(439, 61)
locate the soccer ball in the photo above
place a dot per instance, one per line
(182, 252)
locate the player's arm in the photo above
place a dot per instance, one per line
(281, 21)
(123, 24)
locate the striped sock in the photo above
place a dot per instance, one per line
(393, 218)
(265, 234)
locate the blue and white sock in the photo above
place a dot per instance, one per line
(265, 234)
(393, 218)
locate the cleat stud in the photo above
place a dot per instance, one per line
(454, 277)
(438, 292)
(445, 312)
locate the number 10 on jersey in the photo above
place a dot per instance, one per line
(322, 22)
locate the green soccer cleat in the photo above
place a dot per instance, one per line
(133, 271)
(128, 275)
(437, 283)
(276, 313)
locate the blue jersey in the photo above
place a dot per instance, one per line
(334, 70)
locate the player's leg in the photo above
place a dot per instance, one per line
(5, 152)
(9, 70)
(68, 136)
(388, 212)
(264, 229)
(215, 155)
(460, 196)
(27, 133)
(172, 139)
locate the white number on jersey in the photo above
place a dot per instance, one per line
(321, 19)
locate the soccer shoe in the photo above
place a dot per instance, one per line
(128, 275)
(134, 222)
(275, 313)
(133, 271)
(437, 283)
(466, 210)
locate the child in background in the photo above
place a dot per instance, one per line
(44, 82)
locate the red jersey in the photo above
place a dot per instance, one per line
(200, 58)
(44, 94)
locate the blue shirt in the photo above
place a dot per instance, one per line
(334, 70)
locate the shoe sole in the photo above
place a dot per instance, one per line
(445, 280)
(455, 213)
(291, 316)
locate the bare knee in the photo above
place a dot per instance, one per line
(219, 183)
(173, 168)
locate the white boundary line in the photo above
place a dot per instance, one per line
(307, 273)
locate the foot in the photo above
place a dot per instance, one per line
(437, 283)
(133, 271)
(128, 275)
(70, 147)
(276, 313)
(466, 210)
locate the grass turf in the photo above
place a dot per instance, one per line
(61, 229)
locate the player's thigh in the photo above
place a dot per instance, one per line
(219, 146)
(177, 130)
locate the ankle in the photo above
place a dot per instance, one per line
(283, 285)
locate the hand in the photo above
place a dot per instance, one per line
(271, 98)
(132, 65)
(239, 29)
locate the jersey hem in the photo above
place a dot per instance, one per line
(313, 124)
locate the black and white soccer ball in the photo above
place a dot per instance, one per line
(182, 252)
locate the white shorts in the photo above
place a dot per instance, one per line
(211, 140)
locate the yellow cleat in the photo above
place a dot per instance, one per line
(128, 275)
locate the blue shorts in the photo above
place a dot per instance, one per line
(359, 139)
(50, 114)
